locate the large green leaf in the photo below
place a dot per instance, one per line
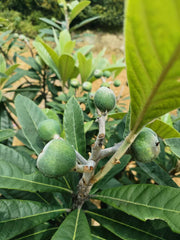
(12, 177)
(130, 228)
(158, 174)
(66, 67)
(10, 155)
(146, 201)
(18, 216)
(77, 9)
(163, 129)
(74, 125)
(152, 57)
(75, 227)
(6, 133)
(29, 116)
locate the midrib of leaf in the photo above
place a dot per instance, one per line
(34, 234)
(138, 204)
(37, 214)
(38, 183)
(76, 224)
(162, 76)
(115, 221)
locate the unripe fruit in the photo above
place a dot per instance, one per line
(117, 83)
(48, 129)
(146, 147)
(104, 99)
(105, 84)
(98, 73)
(107, 74)
(57, 158)
(87, 86)
(74, 83)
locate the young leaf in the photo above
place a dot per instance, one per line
(74, 125)
(6, 133)
(85, 66)
(77, 9)
(152, 57)
(75, 227)
(51, 52)
(66, 67)
(29, 116)
(146, 201)
(130, 228)
(18, 216)
(53, 24)
(64, 37)
(12, 177)
(46, 55)
(163, 129)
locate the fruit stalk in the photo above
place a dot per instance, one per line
(84, 186)
(115, 159)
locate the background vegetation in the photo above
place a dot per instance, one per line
(24, 16)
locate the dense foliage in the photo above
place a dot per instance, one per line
(98, 160)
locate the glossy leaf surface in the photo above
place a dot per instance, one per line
(146, 202)
(19, 215)
(75, 227)
(74, 125)
(29, 116)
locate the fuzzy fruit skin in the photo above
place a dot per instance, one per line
(107, 74)
(98, 73)
(104, 99)
(74, 83)
(47, 129)
(146, 146)
(87, 86)
(57, 158)
(117, 83)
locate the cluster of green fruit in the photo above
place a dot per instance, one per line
(87, 85)
(98, 73)
(58, 156)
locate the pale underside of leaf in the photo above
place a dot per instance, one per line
(152, 58)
